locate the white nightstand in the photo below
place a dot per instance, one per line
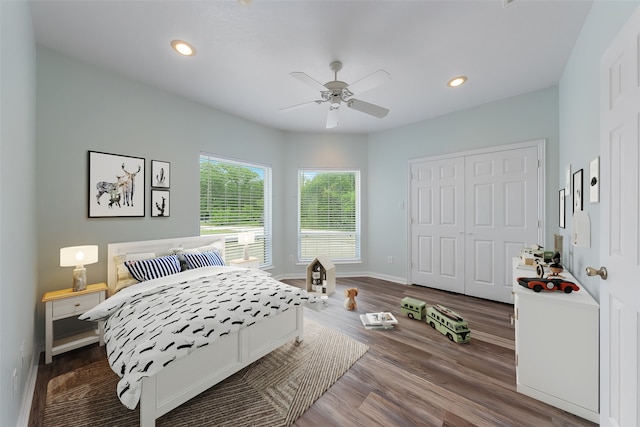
(66, 303)
(252, 262)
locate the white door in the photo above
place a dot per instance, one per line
(471, 213)
(619, 245)
(437, 224)
(501, 218)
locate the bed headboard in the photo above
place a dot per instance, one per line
(162, 245)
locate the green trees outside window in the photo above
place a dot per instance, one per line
(236, 197)
(329, 215)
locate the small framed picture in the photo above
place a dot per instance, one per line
(577, 190)
(160, 203)
(561, 206)
(160, 174)
(116, 185)
(594, 180)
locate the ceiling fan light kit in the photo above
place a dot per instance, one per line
(337, 92)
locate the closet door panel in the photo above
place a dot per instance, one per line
(437, 189)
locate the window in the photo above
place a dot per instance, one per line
(236, 197)
(329, 215)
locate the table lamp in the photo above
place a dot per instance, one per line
(78, 257)
(246, 239)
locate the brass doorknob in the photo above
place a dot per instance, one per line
(593, 272)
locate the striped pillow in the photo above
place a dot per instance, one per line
(203, 259)
(147, 269)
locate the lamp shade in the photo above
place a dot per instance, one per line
(246, 238)
(78, 255)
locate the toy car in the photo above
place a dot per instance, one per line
(549, 284)
(413, 308)
(448, 323)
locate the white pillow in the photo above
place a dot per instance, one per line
(214, 247)
(217, 246)
(123, 276)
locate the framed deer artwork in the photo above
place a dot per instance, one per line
(116, 185)
(160, 174)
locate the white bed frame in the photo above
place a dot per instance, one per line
(188, 377)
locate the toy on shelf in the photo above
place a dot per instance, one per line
(444, 320)
(350, 301)
(555, 267)
(538, 284)
(553, 282)
(535, 255)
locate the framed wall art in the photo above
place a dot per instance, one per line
(577, 190)
(561, 206)
(594, 180)
(160, 174)
(116, 185)
(160, 203)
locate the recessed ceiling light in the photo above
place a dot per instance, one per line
(457, 81)
(183, 48)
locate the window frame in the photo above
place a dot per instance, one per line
(357, 259)
(263, 239)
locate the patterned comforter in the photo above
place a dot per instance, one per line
(152, 324)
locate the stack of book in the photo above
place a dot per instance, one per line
(381, 320)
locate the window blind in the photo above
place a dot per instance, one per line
(236, 197)
(329, 215)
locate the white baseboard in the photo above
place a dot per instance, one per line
(399, 280)
(30, 387)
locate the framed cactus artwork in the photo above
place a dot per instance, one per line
(160, 174)
(160, 203)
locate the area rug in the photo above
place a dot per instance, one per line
(274, 391)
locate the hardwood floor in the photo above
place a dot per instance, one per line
(411, 375)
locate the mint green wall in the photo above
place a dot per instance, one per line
(18, 277)
(81, 108)
(323, 150)
(532, 116)
(580, 123)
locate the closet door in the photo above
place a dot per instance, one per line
(501, 216)
(471, 213)
(437, 224)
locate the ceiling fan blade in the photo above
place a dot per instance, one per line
(296, 106)
(369, 82)
(368, 108)
(308, 80)
(332, 117)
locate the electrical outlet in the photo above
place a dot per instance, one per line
(291, 259)
(389, 260)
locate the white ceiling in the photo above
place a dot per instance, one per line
(246, 52)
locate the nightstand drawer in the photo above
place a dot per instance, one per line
(75, 306)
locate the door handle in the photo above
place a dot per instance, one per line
(602, 272)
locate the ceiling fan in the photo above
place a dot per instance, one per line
(337, 92)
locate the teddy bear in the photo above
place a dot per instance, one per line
(350, 302)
